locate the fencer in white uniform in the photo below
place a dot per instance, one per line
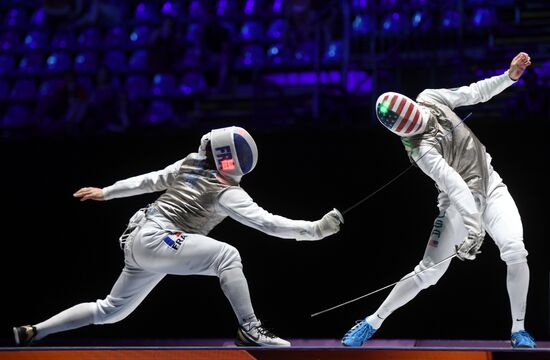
(170, 236)
(472, 196)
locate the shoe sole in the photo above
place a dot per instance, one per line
(247, 342)
(16, 335)
(240, 342)
(350, 345)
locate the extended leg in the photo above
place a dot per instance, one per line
(132, 286)
(503, 223)
(201, 255)
(448, 230)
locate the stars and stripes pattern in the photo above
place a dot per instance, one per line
(400, 114)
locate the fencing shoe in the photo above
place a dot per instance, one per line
(254, 334)
(522, 339)
(358, 334)
(24, 335)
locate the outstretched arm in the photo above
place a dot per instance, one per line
(480, 91)
(146, 183)
(89, 193)
(240, 207)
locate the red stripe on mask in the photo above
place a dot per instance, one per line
(415, 120)
(404, 119)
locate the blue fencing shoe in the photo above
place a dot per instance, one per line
(358, 334)
(522, 339)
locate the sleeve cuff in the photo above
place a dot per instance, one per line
(107, 193)
(508, 78)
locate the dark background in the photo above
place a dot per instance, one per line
(59, 251)
(307, 97)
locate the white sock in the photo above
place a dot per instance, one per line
(517, 283)
(77, 316)
(235, 288)
(401, 294)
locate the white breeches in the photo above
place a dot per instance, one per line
(501, 220)
(150, 254)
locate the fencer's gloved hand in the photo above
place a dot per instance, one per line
(469, 248)
(328, 225)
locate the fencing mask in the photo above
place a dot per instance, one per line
(402, 115)
(234, 150)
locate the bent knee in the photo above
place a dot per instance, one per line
(228, 258)
(512, 251)
(514, 256)
(427, 276)
(110, 310)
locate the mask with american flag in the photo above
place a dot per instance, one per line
(401, 115)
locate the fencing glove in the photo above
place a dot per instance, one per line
(469, 248)
(329, 224)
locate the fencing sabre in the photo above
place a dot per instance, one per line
(448, 258)
(385, 287)
(400, 174)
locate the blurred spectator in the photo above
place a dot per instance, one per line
(80, 13)
(106, 106)
(62, 109)
(164, 49)
(218, 53)
(300, 17)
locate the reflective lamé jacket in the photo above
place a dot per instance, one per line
(448, 151)
(196, 199)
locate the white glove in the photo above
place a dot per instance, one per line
(328, 225)
(204, 141)
(469, 248)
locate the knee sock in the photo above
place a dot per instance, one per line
(517, 283)
(235, 288)
(77, 316)
(401, 294)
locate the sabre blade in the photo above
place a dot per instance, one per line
(401, 173)
(383, 288)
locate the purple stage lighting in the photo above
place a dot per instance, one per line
(63, 40)
(484, 17)
(421, 20)
(38, 17)
(7, 63)
(115, 60)
(252, 30)
(140, 35)
(15, 18)
(359, 4)
(450, 20)
(86, 61)
(36, 39)
(9, 40)
(363, 24)
(159, 111)
(31, 63)
(192, 83)
(58, 62)
(394, 23)
(276, 29)
(249, 6)
(89, 38)
(277, 6)
(164, 85)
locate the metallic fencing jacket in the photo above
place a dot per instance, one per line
(448, 151)
(196, 199)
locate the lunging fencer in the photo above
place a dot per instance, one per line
(472, 197)
(170, 236)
